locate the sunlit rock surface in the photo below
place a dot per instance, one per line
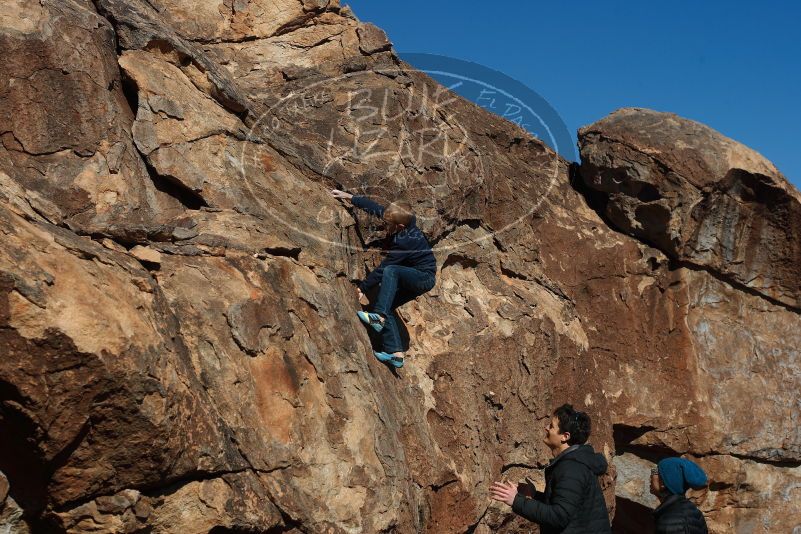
(177, 316)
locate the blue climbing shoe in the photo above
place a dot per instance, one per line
(371, 319)
(389, 359)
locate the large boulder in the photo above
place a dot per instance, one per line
(714, 383)
(702, 198)
(188, 359)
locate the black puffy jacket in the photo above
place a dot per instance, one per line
(677, 515)
(572, 502)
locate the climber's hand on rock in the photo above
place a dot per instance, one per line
(360, 296)
(503, 492)
(336, 193)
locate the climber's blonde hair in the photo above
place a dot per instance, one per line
(399, 212)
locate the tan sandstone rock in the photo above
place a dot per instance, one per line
(66, 124)
(233, 388)
(700, 197)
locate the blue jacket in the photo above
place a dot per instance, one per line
(409, 247)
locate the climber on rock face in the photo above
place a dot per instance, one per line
(572, 501)
(408, 271)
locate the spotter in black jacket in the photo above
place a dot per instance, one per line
(572, 502)
(677, 515)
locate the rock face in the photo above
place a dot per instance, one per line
(701, 198)
(719, 392)
(180, 346)
(10, 513)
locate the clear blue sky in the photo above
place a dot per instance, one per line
(735, 66)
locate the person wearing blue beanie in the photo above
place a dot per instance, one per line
(680, 474)
(670, 480)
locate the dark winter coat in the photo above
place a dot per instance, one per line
(677, 515)
(572, 502)
(409, 247)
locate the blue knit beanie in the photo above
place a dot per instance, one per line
(679, 474)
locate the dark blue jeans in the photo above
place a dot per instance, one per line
(399, 285)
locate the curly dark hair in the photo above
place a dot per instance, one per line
(575, 422)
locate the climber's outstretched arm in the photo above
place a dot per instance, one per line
(373, 208)
(364, 203)
(336, 193)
